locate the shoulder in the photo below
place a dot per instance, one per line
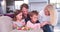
(23, 20)
(14, 22)
(38, 21)
(28, 21)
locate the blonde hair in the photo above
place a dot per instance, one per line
(52, 11)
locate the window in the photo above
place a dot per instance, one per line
(56, 3)
(17, 4)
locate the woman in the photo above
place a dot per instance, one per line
(48, 15)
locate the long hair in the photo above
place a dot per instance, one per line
(16, 13)
(53, 14)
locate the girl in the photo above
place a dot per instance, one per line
(19, 21)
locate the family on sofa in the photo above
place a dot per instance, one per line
(24, 20)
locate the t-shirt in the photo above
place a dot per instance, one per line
(53, 18)
(19, 24)
(33, 25)
(43, 17)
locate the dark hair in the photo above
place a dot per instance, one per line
(16, 13)
(34, 12)
(24, 5)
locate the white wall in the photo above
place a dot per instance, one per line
(37, 4)
(58, 24)
(3, 3)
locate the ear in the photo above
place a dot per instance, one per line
(30, 16)
(16, 16)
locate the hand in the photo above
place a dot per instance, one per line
(25, 28)
(44, 23)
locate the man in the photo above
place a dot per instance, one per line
(24, 8)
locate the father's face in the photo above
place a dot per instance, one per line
(25, 11)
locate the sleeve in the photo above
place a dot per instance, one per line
(27, 24)
(23, 22)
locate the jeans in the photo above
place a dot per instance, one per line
(47, 28)
(52, 28)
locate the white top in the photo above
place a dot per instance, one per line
(19, 24)
(34, 26)
(43, 17)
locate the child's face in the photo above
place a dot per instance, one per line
(34, 18)
(19, 16)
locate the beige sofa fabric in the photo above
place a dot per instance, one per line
(5, 24)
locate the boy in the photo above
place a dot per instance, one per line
(33, 22)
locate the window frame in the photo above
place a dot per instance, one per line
(55, 4)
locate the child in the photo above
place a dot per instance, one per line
(33, 22)
(19, 21)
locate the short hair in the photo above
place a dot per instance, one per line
(24, 5)
(34, 12)
(16, 13)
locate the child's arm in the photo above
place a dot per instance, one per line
(44, 23)
(14, 26)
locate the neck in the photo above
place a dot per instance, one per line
(25, 16)
(33, 22)
(18, 20)
(47, 15)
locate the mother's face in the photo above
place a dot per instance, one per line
(25, 11)
(46, 11)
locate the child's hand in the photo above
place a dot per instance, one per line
(14, 25)
(25, 28)
(44, 23)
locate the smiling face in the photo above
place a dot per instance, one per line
(46, 11)
(19, 16)
(25, 11)
(34, 18)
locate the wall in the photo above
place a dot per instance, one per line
(37, 4)
(58, 24)
(3, 3)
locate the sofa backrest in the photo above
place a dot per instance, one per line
(5, 24)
